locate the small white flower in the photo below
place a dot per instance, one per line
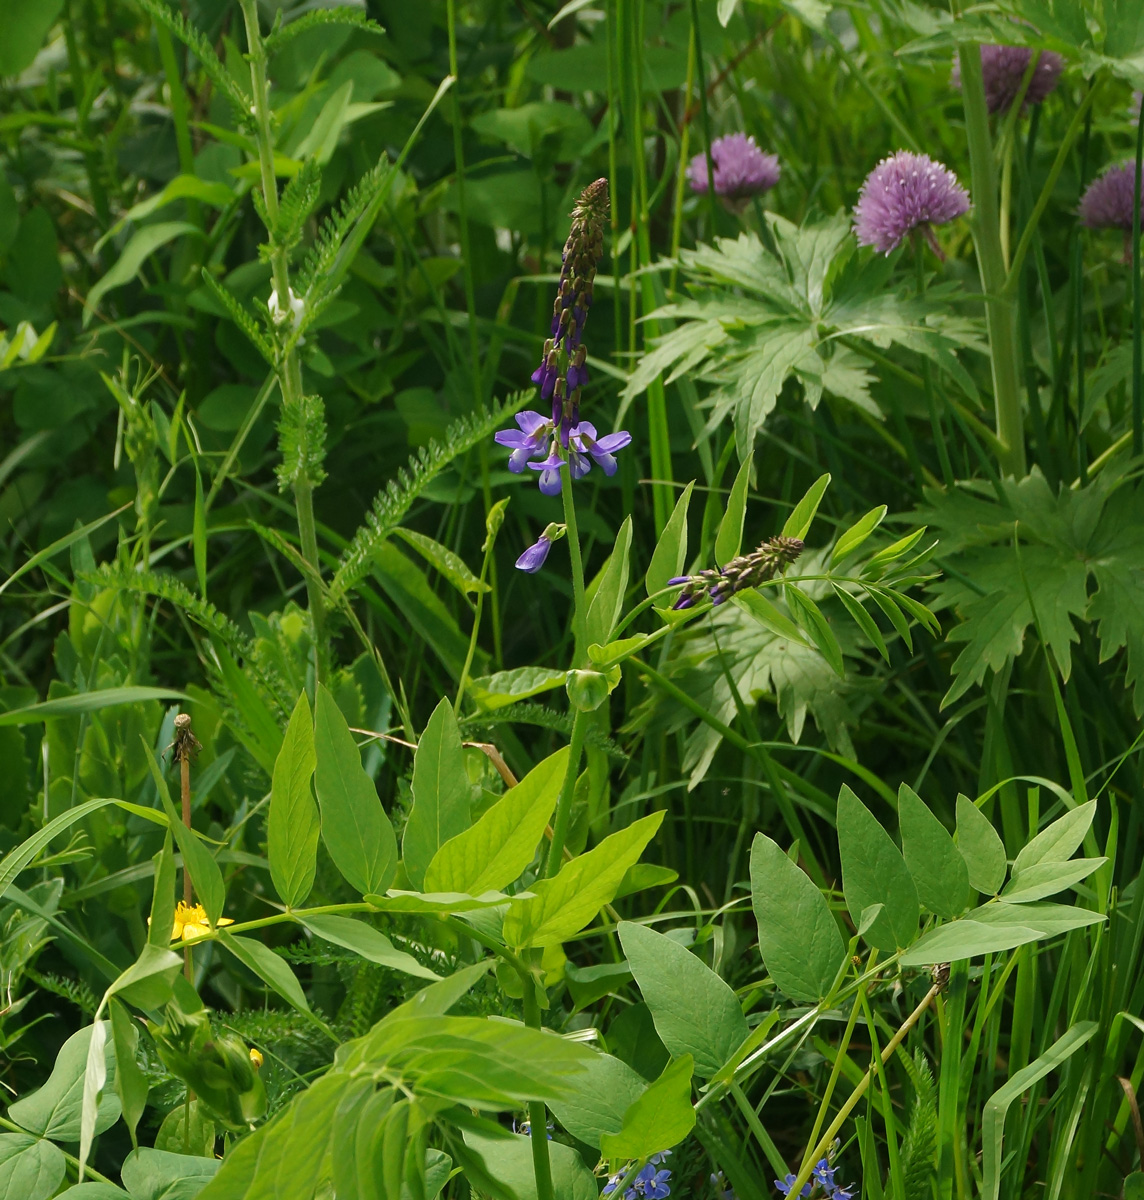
(296, 306)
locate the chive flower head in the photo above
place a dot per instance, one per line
(1003, 72)
(742, 170)
(904, 192)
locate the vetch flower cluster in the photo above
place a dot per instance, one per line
(563, 371)
(745, 571)
(821, 1184)
(580, 449)
(651, 1183)
(741, 170)
(1003, 72)
(905, 192)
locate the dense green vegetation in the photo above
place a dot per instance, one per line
(765, 786)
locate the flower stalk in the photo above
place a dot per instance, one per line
(1000, 310)
(289, 367)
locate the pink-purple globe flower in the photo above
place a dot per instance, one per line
(742, 170)
(905, 192)
(1003, 72)
(1108, 201)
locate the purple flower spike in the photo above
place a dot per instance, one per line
(906, 192)
(602, 449)
(1107, 202)
(1003, 72)
(528, 443)
(533, 559)
(742, 170)
(550, 471)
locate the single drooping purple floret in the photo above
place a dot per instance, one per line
(531, 561)
(1108, 201)
(905, 192)
(1003, 73)
(771, 558)
(742, 170)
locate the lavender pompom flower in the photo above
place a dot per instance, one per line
(1003, 72)
(742, 170)
(905, 192)
(1108, 201)
(745, 571)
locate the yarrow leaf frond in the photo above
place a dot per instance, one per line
(197, 43)
(239, 315)
(392, 504)
(312, 20)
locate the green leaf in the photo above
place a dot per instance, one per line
(695, 1012)
(441, 793)
(604, 610)
(874, 872)
(863, 620)
(162, 920)
(26, 25)
(1046, 919)
(16, 860)
(508, 1162)
(563, 905)
(729, 538)
(754, 602)
(965, 939)
(810, 617)
(496, 850)
(30, 1169)
(293, 826)
(939, 872)
(435, 902)
(802, 517)
(993, 1117)
(271, 968)
(1058, 841)
(175, 1136)
(205, 873)
(599, 1097)
(93, 1191)
(131, 1084)
(1134, 1186)
(363, 939)
(160, 1175)
(857, 534)
(507, 687)
(450, 565)
(670, 553)
(980, 846)
(1048, 878)
(147, 983)
(799, 940)
(356, 830)
(142, 244)
(54, 1110)
(659, 1119)
(85, 702)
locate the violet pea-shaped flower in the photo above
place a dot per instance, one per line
(602, 449)
(533, 558)
(550, 471)
(528, 442)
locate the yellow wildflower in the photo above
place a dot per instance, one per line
(256, 1058)
(191, 922)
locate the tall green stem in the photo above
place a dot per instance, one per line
(537, 1114)
(1000, 311)
(289, 366)
(1137, 301)
(563, 816)
(580, 608)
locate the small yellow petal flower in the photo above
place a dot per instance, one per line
(191, 922)
(256, 1058)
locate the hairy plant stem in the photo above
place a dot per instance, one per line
(289, 367)
(1000, 311)
(580, 608)
(563, 817)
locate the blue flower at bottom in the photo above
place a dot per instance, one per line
(787, 1182)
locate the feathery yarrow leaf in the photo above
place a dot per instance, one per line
(282, 35)
(302, 442)
(239, 315)
(197, 43)
(391, 504)
(921, 1135)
